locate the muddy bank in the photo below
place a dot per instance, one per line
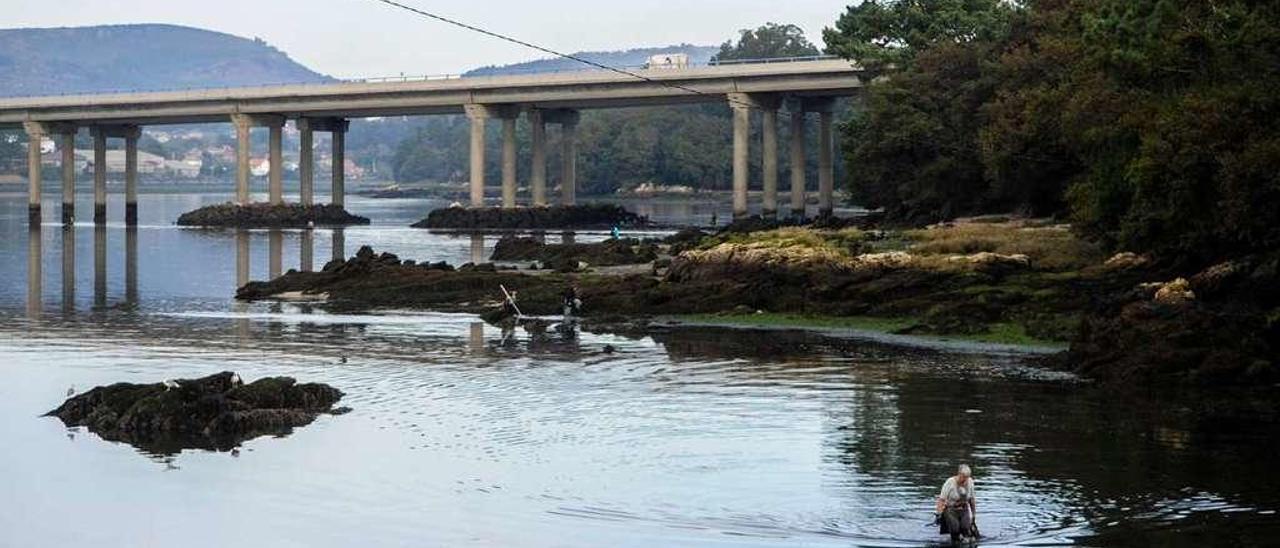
(589, 216)
(262, 215)
(216, 412)
(569, 257)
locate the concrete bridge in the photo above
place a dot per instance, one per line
(800, 86)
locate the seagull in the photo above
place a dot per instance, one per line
(71, 391)
(235, 379)
(170, 384)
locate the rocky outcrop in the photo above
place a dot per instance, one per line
(590, 216)
(215, 412)
(565, 257)
(1220, 326)
(262, 215)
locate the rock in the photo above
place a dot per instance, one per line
(607, 253)
(214, 412)
(559, 217)
(1175, 292)
(262, 215)
(1126, 261)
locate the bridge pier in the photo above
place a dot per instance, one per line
(131, 176)
(244, 123)
(797, 163)
(338, 138)
(826, 170)
(741, 155)
(568, 120)
(99, 175)
(769, 162)
(478, 114)
(306, 162)
(35, 134)
(509, 162)
(307, 127)
(68, 177)
(275, 156)
(538, 171)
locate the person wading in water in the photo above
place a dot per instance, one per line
(957, 507)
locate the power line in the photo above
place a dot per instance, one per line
(550, 51)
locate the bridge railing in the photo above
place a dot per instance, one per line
(483, 73)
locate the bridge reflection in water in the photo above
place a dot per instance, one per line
(101, 249)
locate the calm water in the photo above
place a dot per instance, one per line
(459, 437)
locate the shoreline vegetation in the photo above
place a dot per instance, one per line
(1121, 319)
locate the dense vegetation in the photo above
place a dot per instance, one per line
(1151, 124)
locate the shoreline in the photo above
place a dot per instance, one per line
(867, 332)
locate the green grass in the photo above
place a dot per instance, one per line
(999, 333)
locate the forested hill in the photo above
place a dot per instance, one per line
(627, 58)
(137, 57)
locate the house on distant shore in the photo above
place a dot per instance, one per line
(148, 163)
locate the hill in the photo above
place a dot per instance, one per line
(627, 58)
(43, 61)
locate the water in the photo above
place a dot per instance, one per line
(461, 437)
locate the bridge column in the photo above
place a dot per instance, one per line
(569, 160)
(243, 124)
(306, 162)
(826, 171)
(538, 171)
(35, 134)
(339, 138)
(741, 152)
(769, 163)
(797, 163)
(131, 135)
(68, 177)
(509, 159)
(99, 175)
(275, 253)
(275, 176)
(478, 114)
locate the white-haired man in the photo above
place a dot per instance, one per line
(957, 506)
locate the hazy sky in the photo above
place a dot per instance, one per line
(368, 38)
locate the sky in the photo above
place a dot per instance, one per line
(362, 38)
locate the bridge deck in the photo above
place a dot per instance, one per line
(578, 90)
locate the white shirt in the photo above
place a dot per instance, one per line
(952, 493)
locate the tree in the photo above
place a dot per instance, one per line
(881, 33)
(770, 41)
(913, 147)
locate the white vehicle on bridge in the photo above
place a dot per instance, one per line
(668, 61)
